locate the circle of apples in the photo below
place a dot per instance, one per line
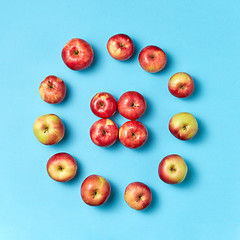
(78, 54)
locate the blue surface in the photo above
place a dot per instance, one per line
(199, 37)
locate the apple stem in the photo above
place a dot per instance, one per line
(50, 84)
(45, 130)
(76, 52)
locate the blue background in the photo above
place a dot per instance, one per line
(199, 37)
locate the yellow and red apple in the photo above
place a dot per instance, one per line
(62, 167)
(138, 195)
(183, 126)
(172, 169)
(95, 190)
(52, 89)
(152, 59)
(181, 85)
(49, 129)
(120, 47)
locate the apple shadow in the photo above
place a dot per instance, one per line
(114, 195)
(113, 147)
(201, 134)
(196, 92)
(115, 117)
(78, 173)
(148, 111)
(136, 52)
(191, 177)
(66, 137)
(67, 96)
(154, 204)
(149, 143)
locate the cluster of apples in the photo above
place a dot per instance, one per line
(49, 129)
(104, 132)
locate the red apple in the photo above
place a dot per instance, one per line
(152, 59)
(120, 47)
(104, 132)
(133, 134)
(77, 54)
(62, 167)
(181, 85)
(49, 129)
(103, 105)
(138, 195)
(172, 169)
(95, 190)
(132, 105)
(183, 126)
(52, 89)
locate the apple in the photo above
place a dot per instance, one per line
(183, 126)
(103, 105)
(172, 169)
(132, 105)
(152, 59)
(138, 195)
(133, 134)
(120, 47)
(49, 129)
(77, 54)
(104, 132)
(61, 167)
(52, 89)
(181, 85)
(95, 190)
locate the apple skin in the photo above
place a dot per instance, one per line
(120, 47)
(132, 105)
(77, 54)
(52, 89)
(152, 59)
(103, 105)
(61, 167)
(181, 85)
(133, 134)
(95, 190)
(49, 129)
(172, 169)
(138, 195)
(104, 132)
(183, 126)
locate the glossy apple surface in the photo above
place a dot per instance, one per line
(77, 54)
(95, 190)
(152, 59)
(104, 132)
(49, 129)
(183, 126)
(103, 105)
(62, 167)
(181, 85)
(172, 169)
(133, 134)
(120, 47)
(52, 89)
(138, 195)
(132, 105)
